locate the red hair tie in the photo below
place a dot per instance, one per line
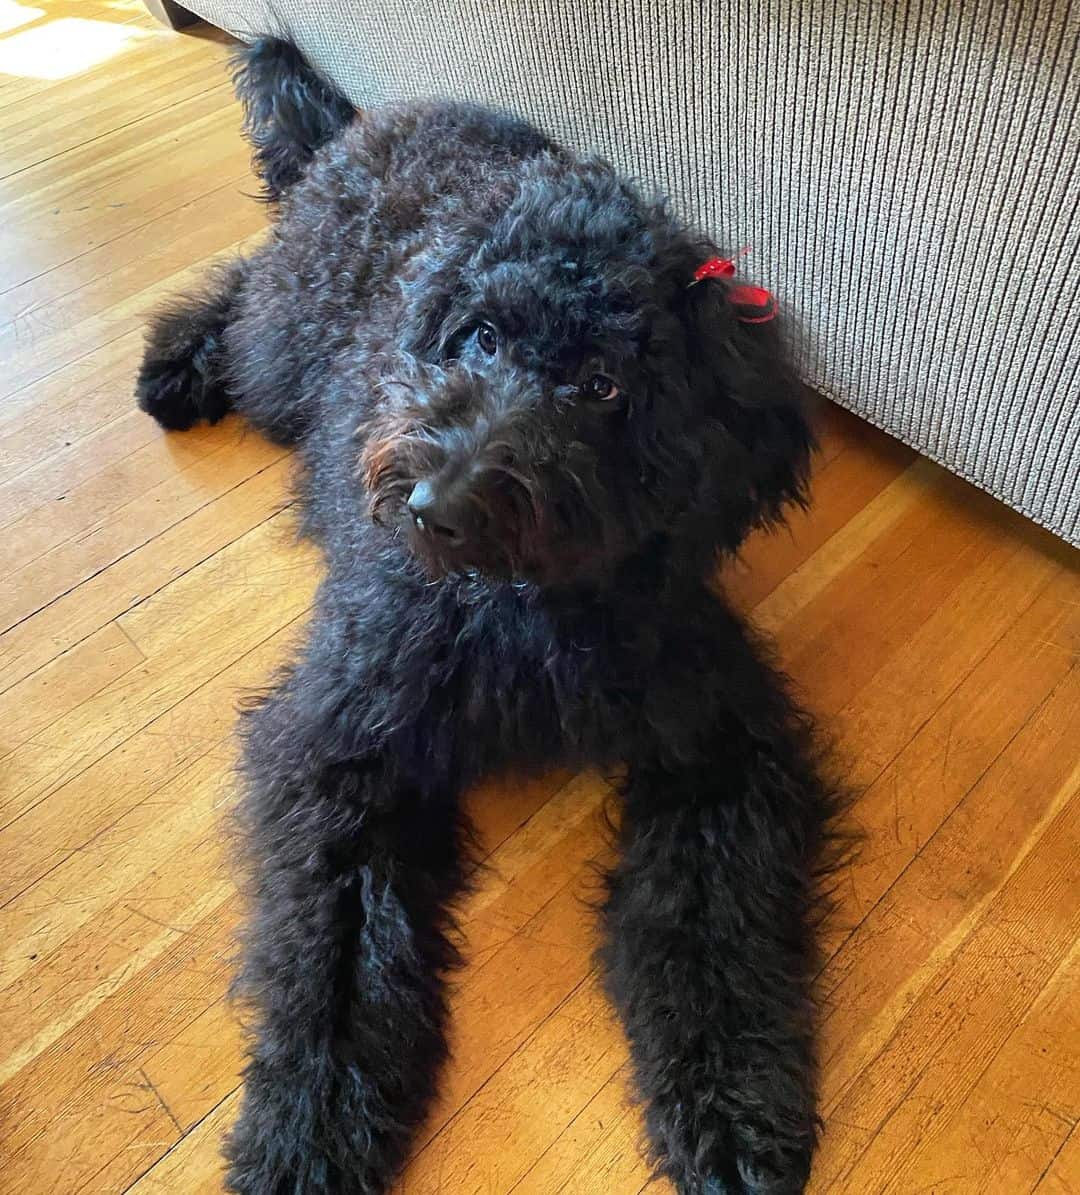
(715, 267)
(753, 304)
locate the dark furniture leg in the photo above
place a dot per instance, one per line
(170, 13)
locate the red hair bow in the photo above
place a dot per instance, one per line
(753, 304)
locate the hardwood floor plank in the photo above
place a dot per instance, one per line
(508, 996)
(131, 579)
(518, 1113)
(1023, 1107)
(898, 950)
(851, 630)
(81, 806)
(30, 82)
(98, 192)
(102, 275)
(200, 1067)
(102, 1109)
(37, 349)
(85, 395)
(68, 983)
(501, 808)
(63, 684)
(1062, 1175)
(898, 505)
(604, 1137)
(954, 1031)
(118, 710)
(111, 518)
(194, 1165)
(92, 477)
(50, 915)
(843, 486)
(900, 812)
(887, 712)
(94, 109)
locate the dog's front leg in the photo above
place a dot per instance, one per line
(709, 954)
(345, 953)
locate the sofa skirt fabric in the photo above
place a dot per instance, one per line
(906, 176)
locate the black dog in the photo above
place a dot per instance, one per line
(525, 435)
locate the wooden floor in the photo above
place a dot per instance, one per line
(149, 580)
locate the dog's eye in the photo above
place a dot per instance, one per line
(488, 339)
(600, 387)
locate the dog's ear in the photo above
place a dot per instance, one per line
(757, 441)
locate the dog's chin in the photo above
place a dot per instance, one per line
(439, 561)
(494, 566)
(572, 565)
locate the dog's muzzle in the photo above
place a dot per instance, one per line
(441, 514)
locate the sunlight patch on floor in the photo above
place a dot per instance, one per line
(13, 15)
(65, 47)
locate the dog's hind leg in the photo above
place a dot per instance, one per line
(290, 110)
(709, 951)
(184, 374)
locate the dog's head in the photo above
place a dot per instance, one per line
(558, 395)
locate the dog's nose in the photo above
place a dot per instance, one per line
(437, 513)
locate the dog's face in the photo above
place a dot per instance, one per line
(558, 395)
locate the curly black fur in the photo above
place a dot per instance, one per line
(289, 112)
(427, 321)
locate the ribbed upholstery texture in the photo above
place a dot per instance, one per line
(907, 175)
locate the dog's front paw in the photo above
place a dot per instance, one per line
(766, 1178)
(743, 1159)
(313, 1134)
(748, 1178)
(782, 1171)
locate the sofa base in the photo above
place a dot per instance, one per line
(168, 12)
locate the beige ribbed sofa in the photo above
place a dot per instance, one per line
(906, 174)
